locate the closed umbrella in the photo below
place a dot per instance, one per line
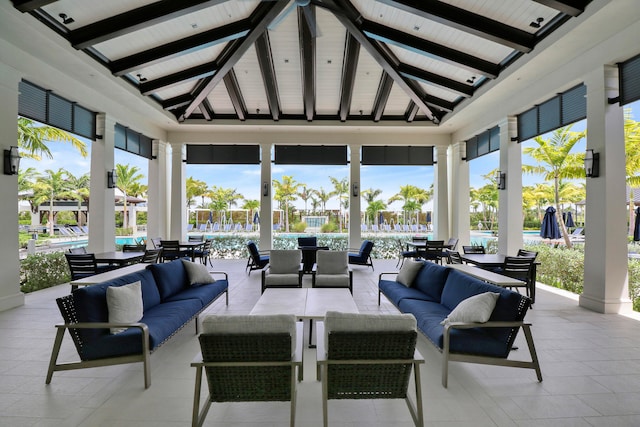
(568, 221)
(636, 228)
(550, 229)
(256, 218)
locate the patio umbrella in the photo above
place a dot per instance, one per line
(568, 219)
(380, 218)
(256, 218)
(636, 228)
(210, 217)
(550, 229)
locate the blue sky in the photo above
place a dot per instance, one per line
(246, 178)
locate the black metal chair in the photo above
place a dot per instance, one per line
(308, 241)
(452, 244)
(453, 257)
(433, 251)
(79, 250)
(527, 254)
(171, 250)
(134, 248)
(84, 265)
(151, 256)
(204, 253)
(519, 268)
(475, 249)
(403, 254)
(157, 242)
(196, 238)
(257, 260)
(363, 255)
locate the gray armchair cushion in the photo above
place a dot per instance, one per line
(332, 262)
(283, 261)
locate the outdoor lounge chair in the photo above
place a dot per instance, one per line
(363, 255)
(249, 358)
(284, 270)
(369, 356)
(577, 235)
(332, 271)
(257, 260)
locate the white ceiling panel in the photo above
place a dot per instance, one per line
(329, 61)
(220, 101)
(250, 80)
(398, 101)
(368, 76)
(285, 49)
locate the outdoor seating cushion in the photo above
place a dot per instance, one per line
(202, 292)
(477, 308)
(171, 278)
(285, 261)
(124, 304)
(332, 280)
(431, 280)
(332, 262)
(197, 273)
(408, 272)
(281, 279)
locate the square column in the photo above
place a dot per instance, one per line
(459, 193)
(440, 196)
(605, 256)
(355, 218)
(10, 295)
(266, 213)
(158, 203)
(510, 199)
(178, 206)
(102, 206)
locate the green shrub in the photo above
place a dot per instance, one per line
(43, 270)
(560, 267)
(329, 227)
(299, 227)
(634, 283)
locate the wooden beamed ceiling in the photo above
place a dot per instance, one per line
(409, 41)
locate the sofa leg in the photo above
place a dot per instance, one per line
(532, 351)
(54, 354)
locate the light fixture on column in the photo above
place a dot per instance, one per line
(355, 189)
(501, 180)
(11, 161)
(592, 164)
(112, 177)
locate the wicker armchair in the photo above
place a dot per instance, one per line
(248, 359)
(369, 356)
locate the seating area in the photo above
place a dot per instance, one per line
(588, 380)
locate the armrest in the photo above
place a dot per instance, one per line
(491, 324)
(387, 273)
(226, 276)
(103, 325)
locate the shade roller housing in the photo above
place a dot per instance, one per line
(222, 154)
(310, 154)
(393, 155)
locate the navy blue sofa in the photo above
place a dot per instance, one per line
(436, 291)
(169, 303)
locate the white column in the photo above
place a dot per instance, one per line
(102, 219)
(605, 259)
(355, 219)
(266, 212)
(440, 196)
(510, 199)
(10, 295)
(178, 206)
(157, 205)
(459, 193)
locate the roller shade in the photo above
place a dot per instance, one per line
(397, 155)
(223, 154)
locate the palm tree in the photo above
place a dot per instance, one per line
(80, 189)
(409, 195)
(251, 206)
(49, 187)
(305, 195)
(195, 188)
(128, 177)
(26, 180)
(286, 192)
(556, 162)
(340, 189)
(373, 208)
(32, 137)
(323, 198)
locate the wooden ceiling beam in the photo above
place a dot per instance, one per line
(164, 82)
(382, 96)
(464, 20)
(568, 7)
(135, 19)
(350, 65)
(180, 47)
(262, 16)
(29, 5)
(411, 112)
(233, 88)
(427, 48)
(308, 59)
(415, 73)
(267, 69)
(207, 110)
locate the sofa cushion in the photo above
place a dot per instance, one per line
(460, 286)
(171, 277)
(408, 272)
(431, 279)
(283, 261)
(332, 262)
(124, 304)
(197, 273)
(477, 308)
(421, 309)
(396, 292)
(205, 293)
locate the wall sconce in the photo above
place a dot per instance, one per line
(11, 161)
(265, 189)
(501, 180)
(112, 177)
(592, 164)
(355, 189)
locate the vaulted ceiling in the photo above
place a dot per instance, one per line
(305, 60)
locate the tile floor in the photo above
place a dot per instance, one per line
(590, 364)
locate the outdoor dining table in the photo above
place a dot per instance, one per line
(191, 246)
(118, 258)
(489, 261)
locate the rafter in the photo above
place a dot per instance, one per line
(308, 59)
(382, 96)
(207, 110)
(469, 22)
(29, 5)
(180, 47)
(349, 16)
(267, 69)
(198, 72)
(411, 112)
(433, 50)
(262, 16)
(351, 55)
(136, 19)
(569, 7)
(233, 88)
(435, 79)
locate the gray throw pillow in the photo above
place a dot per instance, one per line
(124, 304)
(476, 309)
(408, 272)
(197, 273)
